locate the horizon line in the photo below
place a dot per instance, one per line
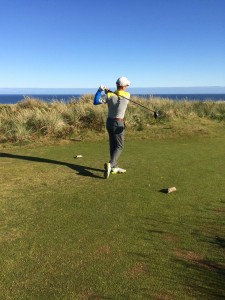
(138, 87)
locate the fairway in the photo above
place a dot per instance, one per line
(68, 233)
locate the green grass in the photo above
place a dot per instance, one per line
(67, 233)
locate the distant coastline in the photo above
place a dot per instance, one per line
(134, 91)
(15, 98)
(14, 95)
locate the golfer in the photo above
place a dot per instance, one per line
(115, 122)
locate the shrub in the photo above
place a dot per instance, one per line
(33, 118)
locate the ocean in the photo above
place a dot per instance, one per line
(14, 98)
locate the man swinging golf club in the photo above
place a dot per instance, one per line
(117, 106)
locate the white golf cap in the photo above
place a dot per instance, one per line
(123, 81)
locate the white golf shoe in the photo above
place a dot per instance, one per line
(118, 170)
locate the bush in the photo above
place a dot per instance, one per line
(32, 118)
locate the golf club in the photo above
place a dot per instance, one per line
(156, 113)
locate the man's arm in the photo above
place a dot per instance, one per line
(99, 98)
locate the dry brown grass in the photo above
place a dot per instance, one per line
(32, 119)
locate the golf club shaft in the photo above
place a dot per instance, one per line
(108, 91)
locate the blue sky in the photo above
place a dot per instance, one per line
(82, 44)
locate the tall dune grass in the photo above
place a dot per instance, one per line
(32, 118)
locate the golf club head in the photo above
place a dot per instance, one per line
(156, 114)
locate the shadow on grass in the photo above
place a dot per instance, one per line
(207, 278)
(198, 276)
(164, 191)
(220, 242)
(81, 170)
